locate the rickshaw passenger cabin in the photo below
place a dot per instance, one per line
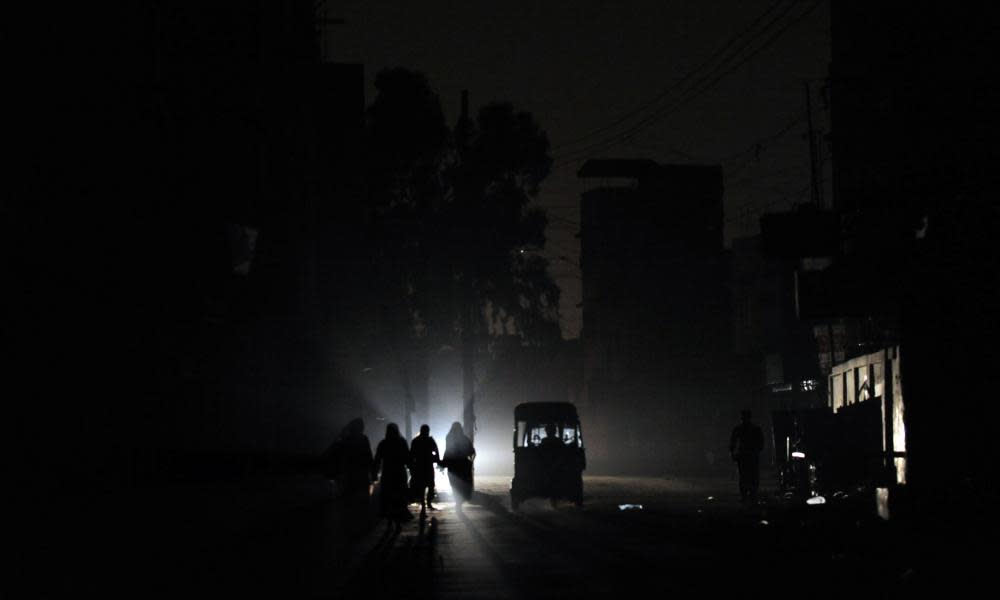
(549, 456)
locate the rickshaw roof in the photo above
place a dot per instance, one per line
(546, 411)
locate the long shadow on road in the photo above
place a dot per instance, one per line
(489, 551)
(586, 554)
(595, 552)
(398, 563)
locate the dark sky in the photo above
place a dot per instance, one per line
(583, 65)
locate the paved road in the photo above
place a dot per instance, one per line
(690, 536)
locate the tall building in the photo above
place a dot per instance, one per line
(655, 317)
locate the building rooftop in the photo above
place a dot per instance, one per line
(636, 168)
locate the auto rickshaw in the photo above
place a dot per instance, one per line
(549, 457)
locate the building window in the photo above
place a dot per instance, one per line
(837, 385)
(849, 387)
(878, 376)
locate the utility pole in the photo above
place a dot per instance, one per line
(322, 23)
(467, 292)
(817, 196)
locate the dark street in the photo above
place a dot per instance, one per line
(690, 536)
(664, 298)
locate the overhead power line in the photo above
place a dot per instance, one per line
(705, 84)
(758, 146)
(666, 92)
(727, 58)
(745, 212)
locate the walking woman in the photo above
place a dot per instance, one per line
(458, 457)
(349, 462)
(392, 457)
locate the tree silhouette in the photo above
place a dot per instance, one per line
(499, 162)
(457, 239)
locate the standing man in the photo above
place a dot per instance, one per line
(424, 454)
(745, 445)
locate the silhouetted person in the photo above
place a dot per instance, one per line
(424, 454)
(458, 457)
(392, 456)
(551, 439)
(349, 463)
(349, 459)
(745, 445)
